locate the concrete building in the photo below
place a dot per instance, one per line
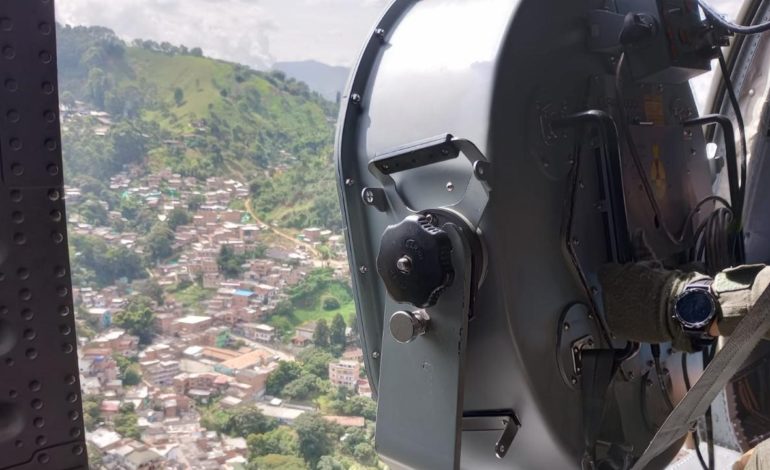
(258, 332)
(160, 373)
(192, 324)
(344, 373)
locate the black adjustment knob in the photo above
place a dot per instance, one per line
(415, 261)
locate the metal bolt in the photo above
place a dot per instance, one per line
(404, 264)
(369, 196)
(355, 98)
(380, 33)
(566, 326)
(501, 448)
(375, 354)
(450, 186)
(431, 219)
(363, 269)
(349, 182)
(573, 380)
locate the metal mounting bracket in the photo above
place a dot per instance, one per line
(419, 414)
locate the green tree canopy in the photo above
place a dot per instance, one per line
(315, 361)
(248, 419)
(337, 332)
(286, 372)
(160, 242)
(229, 263)
(178, 96)
(282, 440)
(316, 437)
(138, 319)
(321, 334)
(178, 216)
(132, 375)
(302, 388)
(126, 422)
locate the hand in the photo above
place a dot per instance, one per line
(757, 458)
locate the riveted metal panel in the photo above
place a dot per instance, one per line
(41, 422)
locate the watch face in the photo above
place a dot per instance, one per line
(694, 308)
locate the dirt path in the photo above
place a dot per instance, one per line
(316, 254)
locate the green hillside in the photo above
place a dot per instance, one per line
(173, 107)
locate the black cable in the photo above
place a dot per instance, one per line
(732, 27)
(694, 433)
(655, 350)
(737, 205)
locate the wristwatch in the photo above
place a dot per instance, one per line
(695, 309)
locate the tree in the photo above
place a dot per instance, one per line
(364, 453)
(248, 419)
(229, 263)
(302, 388)
(138, 319)
(152, 290)
(285, 372)
(282, 440)
(321, 334)
(132, 376)
(195, 202)
(360, 406)
(314, 436)
(196, 51)
(129, 144)
(328, 462)
(178, 96)
(160, 242)
(126, 422)
(178, 216)
(337, 332)
(316, 362)
(91, 411)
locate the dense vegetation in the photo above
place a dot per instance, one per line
(172, 107)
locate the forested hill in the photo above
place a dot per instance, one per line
(172, 107)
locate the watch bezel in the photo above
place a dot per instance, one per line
(693, 291)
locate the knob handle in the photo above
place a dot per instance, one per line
(415, 261)
(406, 326)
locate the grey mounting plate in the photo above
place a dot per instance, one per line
(419, 414)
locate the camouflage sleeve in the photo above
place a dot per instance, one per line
(737, 289)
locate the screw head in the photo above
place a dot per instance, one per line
(375, 354)
(369, 196)
(355, 98)
(450, 186)
(404, 264)
(363, 269)
(349, 182)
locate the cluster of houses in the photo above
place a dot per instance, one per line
(220, 349)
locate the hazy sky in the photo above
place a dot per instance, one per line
(252, 32)
(256, 32)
